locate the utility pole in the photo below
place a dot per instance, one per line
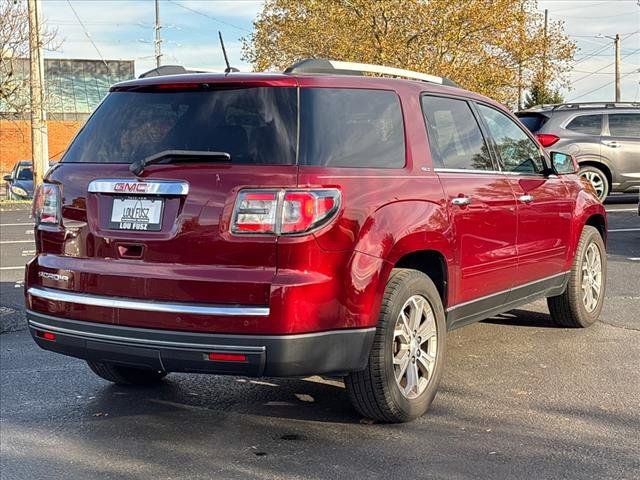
(158, 41)
(544, 53)
(617, 44)
(39, 137)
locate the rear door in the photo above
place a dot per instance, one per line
(543, 204)
(621, 141)
(164, 234)
(481, 203)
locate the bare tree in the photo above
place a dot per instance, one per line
(14, 55)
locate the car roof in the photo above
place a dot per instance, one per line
(297, 80)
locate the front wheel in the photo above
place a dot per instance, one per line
(581, 303)
(408, 351)
(122, 375)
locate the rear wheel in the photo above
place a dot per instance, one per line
(581, 303)
(598, 179)
(407, 355)
(126, 375)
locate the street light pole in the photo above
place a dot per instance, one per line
(617, 44)
(39, 137)
(158, 41)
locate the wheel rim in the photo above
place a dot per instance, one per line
(597, 181)
(591, 277)
(415, 345)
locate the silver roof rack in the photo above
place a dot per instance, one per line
(336, 67)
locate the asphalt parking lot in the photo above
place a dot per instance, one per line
(520, 398)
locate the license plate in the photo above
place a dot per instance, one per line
(136, 213)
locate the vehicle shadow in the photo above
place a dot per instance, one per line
(523, 318)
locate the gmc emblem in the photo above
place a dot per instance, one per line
(133, 187)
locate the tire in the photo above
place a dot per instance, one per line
(126, 375)
(573, 308)
(374, 392)
(598, 179)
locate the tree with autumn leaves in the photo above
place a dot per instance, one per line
(493, 47)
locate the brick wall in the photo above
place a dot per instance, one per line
(15, 140)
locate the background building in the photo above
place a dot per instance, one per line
(73, 89)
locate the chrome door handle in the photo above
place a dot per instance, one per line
(526, 198)
(461, 201)
(611, 143)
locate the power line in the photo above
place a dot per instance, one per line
(598, 88)
(86, 32)
(209, 16)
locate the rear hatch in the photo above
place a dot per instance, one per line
(163, 235)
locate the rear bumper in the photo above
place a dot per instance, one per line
(332, 352)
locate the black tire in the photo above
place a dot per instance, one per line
(374, 391)
(126, 375)
(568, 309)
(590, 171)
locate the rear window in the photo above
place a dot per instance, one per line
(587, 124)
(351, 128)
(532, 121)
(253, 125)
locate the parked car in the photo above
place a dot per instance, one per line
(603, 137)
(317, 221)
(19, 183)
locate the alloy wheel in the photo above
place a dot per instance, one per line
(597, 181)
(414, 346)
(591, 277)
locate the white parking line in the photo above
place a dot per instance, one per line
(634, 259)
(15, 224)
(15, 241)
(12, 268)
(611, 210)
(624, 230)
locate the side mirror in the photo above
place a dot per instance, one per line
(7, 178)
(563, 164)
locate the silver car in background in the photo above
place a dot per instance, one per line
(603, 137)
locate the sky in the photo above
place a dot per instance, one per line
(123, 29)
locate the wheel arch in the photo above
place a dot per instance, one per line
(433, 264)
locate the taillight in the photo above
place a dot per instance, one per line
(284, 212)
(546, 139)
(46, 204)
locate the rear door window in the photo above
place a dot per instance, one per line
(624, 125)
(455, 138)
(516, 151)
(587, 124)
(253, 125)
(351, 128)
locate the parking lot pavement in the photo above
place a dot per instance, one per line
(520, 398)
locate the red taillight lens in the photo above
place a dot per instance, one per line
(283, 211)
(46, 204)
(227, 357)
(546, 140)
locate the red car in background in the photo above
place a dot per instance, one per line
(316, 221)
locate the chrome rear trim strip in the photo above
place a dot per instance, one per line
(137, 187)
(131, 304)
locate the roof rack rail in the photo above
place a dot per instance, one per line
(172, 70)
(336, 67)
(575, 105)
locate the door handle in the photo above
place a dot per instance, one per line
(461, 201)
(611, 143)
(526, 198)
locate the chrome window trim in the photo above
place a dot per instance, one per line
(494, 172)
(502, 292)
(154, 187)
(148, 306)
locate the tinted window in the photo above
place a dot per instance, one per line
(254, 125)
(624, 125)
(589, 124)
(517, 152)
(533, 122)
(455, 138)
(351, 128)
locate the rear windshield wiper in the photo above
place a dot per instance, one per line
(137, 167)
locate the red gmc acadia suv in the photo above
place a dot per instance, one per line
(318, 221)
